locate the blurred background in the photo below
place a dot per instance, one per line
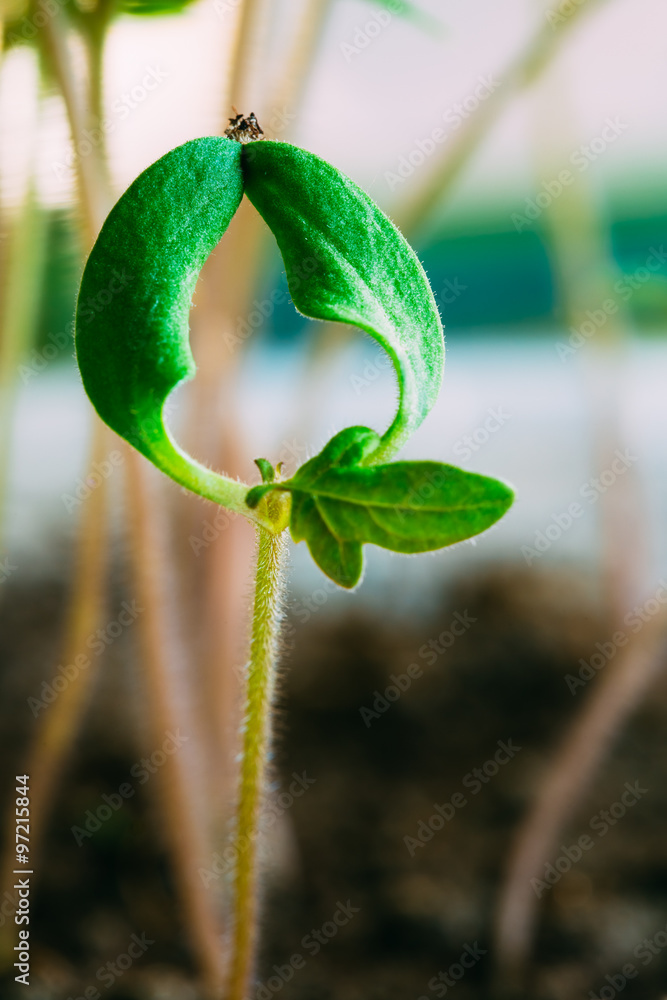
(468, 777)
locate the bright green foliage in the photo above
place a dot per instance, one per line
(134, 304)
(345, 261)
(338, 504)
(132, 333)
(152, 7)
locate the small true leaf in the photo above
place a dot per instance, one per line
(346, 261)
(267, 471)
(338, 504)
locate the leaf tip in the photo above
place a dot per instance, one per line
(267, 471)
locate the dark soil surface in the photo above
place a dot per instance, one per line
(387, 863)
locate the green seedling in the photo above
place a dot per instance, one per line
(135, 351)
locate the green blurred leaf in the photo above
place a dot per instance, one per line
(411, 12)
(148, 8)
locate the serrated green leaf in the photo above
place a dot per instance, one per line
(339, 504)
(133, 308)
(409, 506)
(346, 261)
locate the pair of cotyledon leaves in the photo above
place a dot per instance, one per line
(345, 261)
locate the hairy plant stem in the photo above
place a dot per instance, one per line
(261, 673)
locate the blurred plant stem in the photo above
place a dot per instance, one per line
(583, 749)
(58, 726)
(179, 803)
(24, 252)
(95, 197)
(416, 211)
(585, 272)
(299, 63)
(166, 690)
(244, 56)
(261, 676)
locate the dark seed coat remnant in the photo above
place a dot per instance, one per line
(244, 129)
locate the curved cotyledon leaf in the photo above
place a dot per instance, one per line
(133, 308)
(338, 504)
(346, 261)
